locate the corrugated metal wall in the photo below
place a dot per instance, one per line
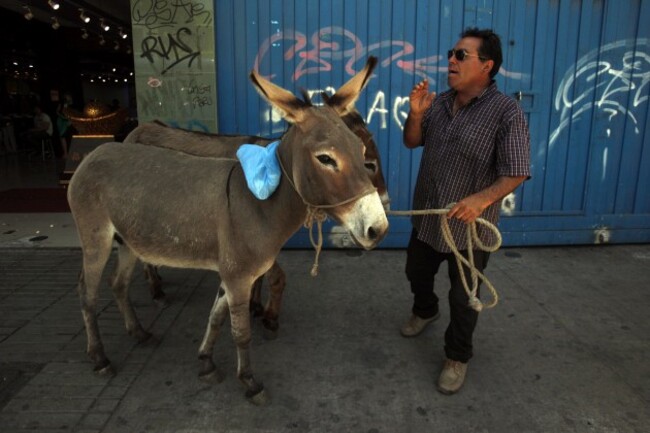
(580, 69)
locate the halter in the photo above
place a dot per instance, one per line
(316, 213)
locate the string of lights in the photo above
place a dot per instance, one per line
(93, 28)
(101, 31)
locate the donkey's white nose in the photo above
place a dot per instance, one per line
(368, 223)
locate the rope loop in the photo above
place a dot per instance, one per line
(472, 239)
(318, 215)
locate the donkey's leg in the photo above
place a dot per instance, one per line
(277, 283)
(96, 251)
(155, 283)
(238, 295)
(256, 297)
(208, 371)
(126, 262)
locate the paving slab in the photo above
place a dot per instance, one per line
(565, 350)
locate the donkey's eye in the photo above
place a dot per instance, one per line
(371, 167)
(327, 160)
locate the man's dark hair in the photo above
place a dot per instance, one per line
(490, 48)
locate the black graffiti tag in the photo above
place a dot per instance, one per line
(155, 14)
(174, 49)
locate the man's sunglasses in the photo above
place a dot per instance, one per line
(462, 54)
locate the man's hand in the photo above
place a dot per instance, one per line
(420, 98)
(471, 207)
(468, 209)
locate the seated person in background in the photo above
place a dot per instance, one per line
(43, 128)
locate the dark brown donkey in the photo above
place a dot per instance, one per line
(215, 145)
(210, 220)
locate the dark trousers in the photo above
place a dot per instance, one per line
(422, 263)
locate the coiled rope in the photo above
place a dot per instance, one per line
(472, 238)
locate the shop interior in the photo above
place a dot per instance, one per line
(73, 60)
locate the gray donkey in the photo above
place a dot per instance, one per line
(210, 220)
(215, 145)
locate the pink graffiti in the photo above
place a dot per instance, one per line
(325, 46)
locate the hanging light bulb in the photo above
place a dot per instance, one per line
(103, 25)
(54, 5)
(84, 33)
(116, 46)
(102, 41)
(122, 34)
(28, 13)
(55, 23)
(83, 17)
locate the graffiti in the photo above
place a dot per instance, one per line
(335, 44)
(339, 44)
(176, 50)
(154, 82)
(187, 98)
(155, 14)
(603, 80)
(378, 107)
(201, 101)
(202, 94)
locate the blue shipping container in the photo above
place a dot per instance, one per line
(580, 70)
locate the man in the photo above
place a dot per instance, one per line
(42, 129)
(476, 151)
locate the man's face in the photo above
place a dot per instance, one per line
(470, 72)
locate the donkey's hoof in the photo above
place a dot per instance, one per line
(105, 370)
(261, 398)
(214, 377)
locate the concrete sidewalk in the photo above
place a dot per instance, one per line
(566, 350)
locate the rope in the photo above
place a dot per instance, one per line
(316, 213)
(472, 238)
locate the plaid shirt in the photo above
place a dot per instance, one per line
(464, 154)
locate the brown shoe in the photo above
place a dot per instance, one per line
(416, 325)
(452, 376)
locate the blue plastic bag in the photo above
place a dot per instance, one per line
(261, 168)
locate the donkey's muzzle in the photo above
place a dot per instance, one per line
(367, 222)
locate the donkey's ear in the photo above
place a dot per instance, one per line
(345, 97)
(291, 108)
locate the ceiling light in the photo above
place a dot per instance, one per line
(116, 46)
(54, 5)
(103, 25)
(84, 34)
(102, 41)
(83, 17)
(28, 13)
(122, 34)
(55, 23)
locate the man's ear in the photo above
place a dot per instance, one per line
(489, 64)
